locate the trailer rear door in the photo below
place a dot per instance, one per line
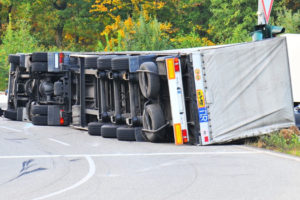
(243, 90)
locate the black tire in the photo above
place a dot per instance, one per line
(39, 57)
(10, 114)
(153, 119)
(39, 109)
(109, 131)
(90, 62)
(149, 81)
(104, 62)
(139, 136)
(126, 134)
(94, 128)
(40, 120)
(39, 67)
(120, 63)
(15, 59)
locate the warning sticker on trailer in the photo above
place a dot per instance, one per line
(203, 116)
(200, 99)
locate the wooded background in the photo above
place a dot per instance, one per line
(116, 25)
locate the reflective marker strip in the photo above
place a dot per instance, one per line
(177, 101)
(170, 68)
(202, 110)
(56, 57)
(178, 134)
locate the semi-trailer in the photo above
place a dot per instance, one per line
(201, 96)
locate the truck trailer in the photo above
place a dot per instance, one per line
(200, 96)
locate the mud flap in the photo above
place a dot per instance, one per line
(53, 115)
(20, 114)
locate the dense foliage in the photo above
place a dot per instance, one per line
(115, 25)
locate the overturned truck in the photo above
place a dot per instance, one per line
(196, 96)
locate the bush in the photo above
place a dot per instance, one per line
(146, 36)
(141, 34)
(190, 40)
(283, 140)
(288, 19)
(15, 40)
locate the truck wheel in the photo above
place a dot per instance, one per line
(39, 57)
(104, 62)
(126, 134)
(91, 62)
(94, 128)
(15, 59)
(39, 109)
(109, 131)
(120, 63)
(10, 114)
(153, 119)
(139, 136)
(149, 81)
(40, 120)
(39, 67)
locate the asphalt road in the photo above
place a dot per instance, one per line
(63, 163)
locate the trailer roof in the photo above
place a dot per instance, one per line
(185, 51)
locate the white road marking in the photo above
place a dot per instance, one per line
(92, 170)
(264, 151)
(60, 142)
(129, 154)
(11, 129)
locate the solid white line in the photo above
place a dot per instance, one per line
(60, 142)
(268, 152)
(130, 154)
(11, 129)
(92, 170)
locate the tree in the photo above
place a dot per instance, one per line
(232, 21)
(289, 20)
(15, 41)
(67, 24)
(145, 35)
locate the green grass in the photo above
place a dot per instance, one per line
(285, 141)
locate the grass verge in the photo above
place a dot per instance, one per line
(285, 141)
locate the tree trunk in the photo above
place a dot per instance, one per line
(59, 35)
(60, 6)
